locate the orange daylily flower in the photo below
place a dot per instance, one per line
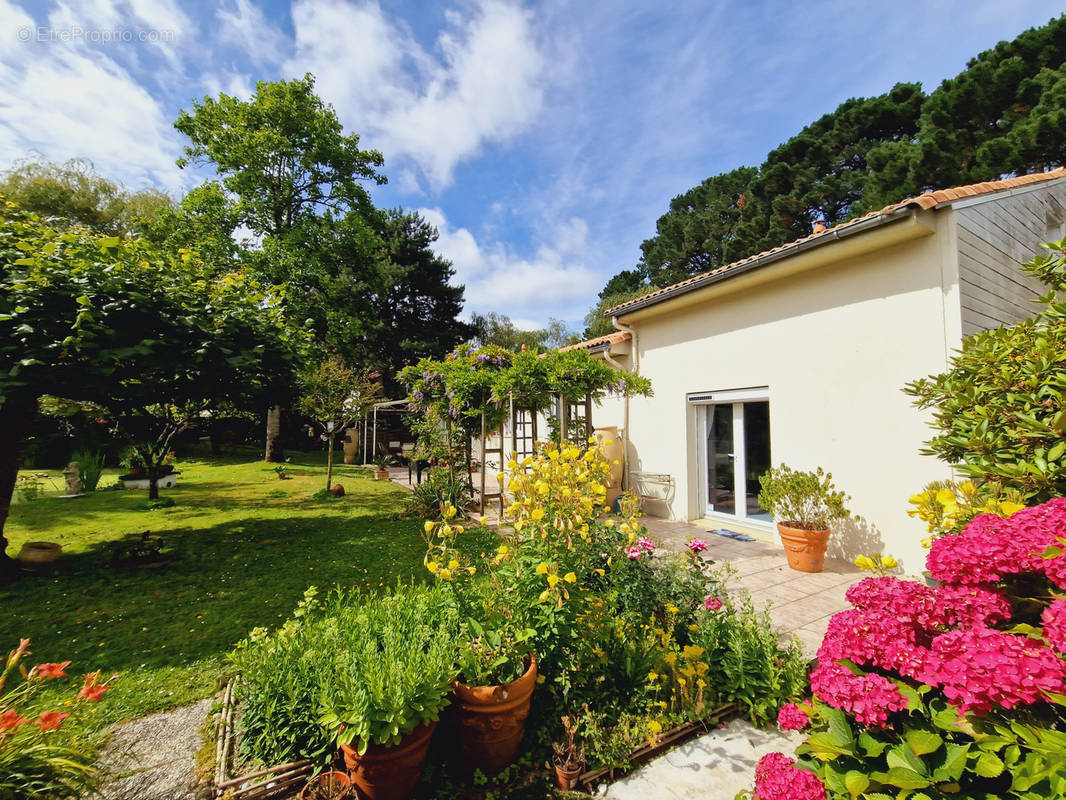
(50, 720)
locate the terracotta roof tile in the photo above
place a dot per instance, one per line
(926, 201)
(617, 337)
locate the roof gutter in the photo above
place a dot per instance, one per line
(831, 235)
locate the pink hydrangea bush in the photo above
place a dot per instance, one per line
(953, 689)
(777, 779)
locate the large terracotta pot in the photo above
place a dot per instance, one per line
(805, 549)
(35, 555)
(612, 452)
(351, 445)
(565, 779)
(492, 720)
(390, 773)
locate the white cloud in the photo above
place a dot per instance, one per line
(243, 25)
(482, 84)
(64, 100)
(555, 281)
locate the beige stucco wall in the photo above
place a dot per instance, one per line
(834, 345)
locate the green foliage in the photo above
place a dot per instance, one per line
(999, 411)
(438, 489)
(353, 670)
(498, 329)
(807, 498)
(934, 751)
(74, 193)
(494, 654)
(37, 757)
(748, 662)
(91, 464)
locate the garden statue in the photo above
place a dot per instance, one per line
(73, 475)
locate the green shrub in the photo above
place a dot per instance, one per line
(438, 490)
(380, 666)
(999, 412)
(748, 663)
(807, 499)
(91, 465)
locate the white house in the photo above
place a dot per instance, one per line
(799, 354)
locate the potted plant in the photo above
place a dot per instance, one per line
(331, 785)
(391, 664)
(132, 463)
(805, 505)
(498, 672)
(382, 464)
(568, 758)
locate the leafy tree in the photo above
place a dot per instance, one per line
(499, 330)
(980, 124)
(335, 396)
(74, 192)
(284, 157)
(149, 335)
(999, 412)
(205, 220)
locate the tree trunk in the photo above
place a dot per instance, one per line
(153, 483)
(275, 451)
(16, 416)
(329, 461)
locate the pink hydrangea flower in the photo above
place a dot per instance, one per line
(712, 603)
(697, 545)
(634, 552)
(870, 698)
(792, 718)
(777, 779)
(1054, 619)
(646, 543)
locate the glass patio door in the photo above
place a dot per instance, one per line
(736, 451)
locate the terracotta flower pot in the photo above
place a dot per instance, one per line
(805, 549)
(327, 786)
(337, 490)
(492, 720)
(390, 773)
(381, 474)
(566, 778)
(35, 555)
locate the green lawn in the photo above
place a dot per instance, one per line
(248, 546)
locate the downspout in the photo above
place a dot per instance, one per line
(625, 408)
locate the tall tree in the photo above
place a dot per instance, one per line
(972, 128)
(284, 156)
(417, 310)
(496, 329)
(118, 323)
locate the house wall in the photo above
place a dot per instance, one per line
(995, 236)
(834, 346)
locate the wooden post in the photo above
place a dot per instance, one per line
(564, 412)
(484, 464)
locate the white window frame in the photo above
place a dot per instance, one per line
(736, 398)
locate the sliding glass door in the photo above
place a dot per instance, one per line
(735, 451)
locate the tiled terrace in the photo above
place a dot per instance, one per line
(800, 603)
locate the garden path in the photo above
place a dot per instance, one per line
(715, 766)
(800, 603)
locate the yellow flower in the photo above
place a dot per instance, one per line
(864, 562)
(609, 523)
(671, 608)
(449, 511)
(592, 440)
(471, 570)
(503, 550)
(482, 519)
(692, 651)
(552, 580)
(429, 526)
(542, 568)
(1009, 508)
(499, 477)
(445, 530)
(432, 566)
(446, 574)
(458, 528)
(654, 726)
(537, 514)
(599, 572)
(927, 542)
(453, 564)
(543, 596)
(541, 487)
(888, 562)
(570, 577)
(670, 658)
(652, 677)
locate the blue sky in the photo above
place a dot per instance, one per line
(543, 139)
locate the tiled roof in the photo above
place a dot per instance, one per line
(617, 337)
(929, 200)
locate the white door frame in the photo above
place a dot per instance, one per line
(736, 398)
